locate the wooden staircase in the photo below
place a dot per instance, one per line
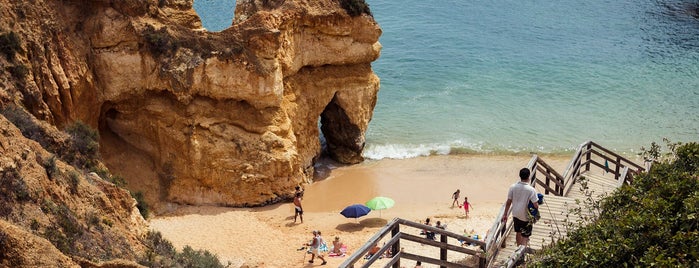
(567, 203)
(560, 214)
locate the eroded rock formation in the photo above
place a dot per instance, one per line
(196, 117)
(53, 215)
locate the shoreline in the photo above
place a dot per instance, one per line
(421, 187)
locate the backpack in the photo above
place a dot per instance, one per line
(533, 212)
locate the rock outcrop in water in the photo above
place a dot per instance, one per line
(189, 116)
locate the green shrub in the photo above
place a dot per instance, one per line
(10, 45)
(652, 223)
(107, 222)
(12, 187)
(93, 220)
(85, 146)
(355, 7)
(49, 207)
(60, 241)
(119, 181)
(34, 225)
(198, 258)
(73, 182)
(161, 253)
(141, 204)
(23, 121)
(67, 230)
(69, 222)
(51, 168)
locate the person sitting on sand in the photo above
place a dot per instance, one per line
(441, 226)
(427, 222)
(337, 246)
(375, 249)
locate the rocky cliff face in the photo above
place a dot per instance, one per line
(189, 116)
(53, 215)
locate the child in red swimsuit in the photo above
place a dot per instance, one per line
(466, 205)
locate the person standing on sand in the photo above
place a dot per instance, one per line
(314, 248)
(299, 190)
(467, 205)
(298, 210)
(518, 197)
(455, 196)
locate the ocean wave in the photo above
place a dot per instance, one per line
(404, 151)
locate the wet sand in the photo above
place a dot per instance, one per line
(421, 187)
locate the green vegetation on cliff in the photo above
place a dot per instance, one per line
(355, 7)
(652, 223)
(76, 227)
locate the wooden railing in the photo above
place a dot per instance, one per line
(394, 245)
(542, 174)
(591, 154)
(554, 183)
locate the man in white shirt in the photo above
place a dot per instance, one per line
(518, 197)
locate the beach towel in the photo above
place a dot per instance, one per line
(343, 251)
(323, 246)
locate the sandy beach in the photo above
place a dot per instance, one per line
(421, 187)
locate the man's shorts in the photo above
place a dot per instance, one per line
(299, 211)
(523, 226)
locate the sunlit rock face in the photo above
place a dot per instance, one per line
(195, 117)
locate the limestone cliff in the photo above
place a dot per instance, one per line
(53, 215)
(190, 116)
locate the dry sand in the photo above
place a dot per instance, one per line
(422, 188)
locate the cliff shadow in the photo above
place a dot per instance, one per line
(324, 166)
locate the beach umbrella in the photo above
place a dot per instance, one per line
(380, 203)
(355, 211)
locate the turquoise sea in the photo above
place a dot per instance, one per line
(512, 77)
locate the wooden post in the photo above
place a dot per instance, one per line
(616, 169)
(482, 258)
(589, 156)
(443, 251)
(395, 249)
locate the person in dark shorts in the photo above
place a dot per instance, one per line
(518, 197)
(298, 209)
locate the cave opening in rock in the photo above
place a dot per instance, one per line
(341, 139)
(215, 15)
(123, 159)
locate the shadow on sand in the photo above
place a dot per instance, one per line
(355, 226)
(373, 222)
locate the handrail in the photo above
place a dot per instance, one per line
(500, 229)
(552, 182)
(397, 236)
(626, 161)
(624, 170)
(583, 157)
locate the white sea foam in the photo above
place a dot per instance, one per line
(402, 151)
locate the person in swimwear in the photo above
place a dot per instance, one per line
(298, 209)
